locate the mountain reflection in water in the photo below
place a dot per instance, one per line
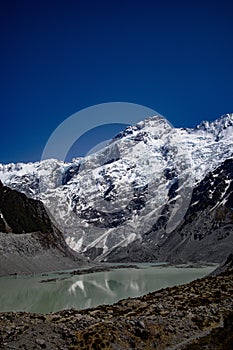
(57, 292)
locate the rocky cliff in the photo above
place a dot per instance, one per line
(29, 241)
(204, 234)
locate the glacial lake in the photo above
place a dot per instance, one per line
(63, 291)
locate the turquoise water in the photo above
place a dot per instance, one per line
(38, 294)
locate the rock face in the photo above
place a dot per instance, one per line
(206, 233)
(226, 267)
(29, 242)
(197, 315)
(129, 200)
(21, 214)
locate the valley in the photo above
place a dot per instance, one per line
(154, 194)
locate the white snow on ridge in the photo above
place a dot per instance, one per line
(114, 196)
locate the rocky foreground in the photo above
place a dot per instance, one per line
(198, 315)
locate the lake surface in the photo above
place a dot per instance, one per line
(38, 294)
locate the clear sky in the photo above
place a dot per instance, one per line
(58, 57)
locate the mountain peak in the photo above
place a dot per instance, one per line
(220, 127)
(155, 123)
(140, 183)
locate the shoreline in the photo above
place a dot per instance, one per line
(104, 267)
(196, 313)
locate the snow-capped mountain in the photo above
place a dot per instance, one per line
(141, 181)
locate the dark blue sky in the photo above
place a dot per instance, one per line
(58, 57)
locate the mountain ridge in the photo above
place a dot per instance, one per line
(139, 183)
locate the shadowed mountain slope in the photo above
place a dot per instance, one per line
(29, 241)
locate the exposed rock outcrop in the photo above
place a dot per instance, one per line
(205, 233)
(226, 267)
(29, 241)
